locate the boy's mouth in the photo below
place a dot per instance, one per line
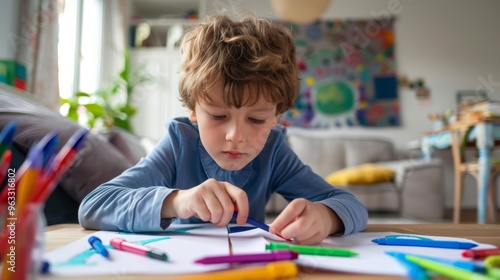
(232, 154)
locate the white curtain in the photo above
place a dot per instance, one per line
(113, 37)
(39, 27)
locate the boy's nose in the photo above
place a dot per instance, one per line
(235, 133)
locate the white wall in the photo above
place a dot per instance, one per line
(451, 44)
(8, 28)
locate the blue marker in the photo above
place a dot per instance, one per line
(96, 243)
(414, 271)
(411, 240)
(45, 267)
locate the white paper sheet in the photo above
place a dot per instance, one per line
(186, 243)
(372, 259)
(181, 246)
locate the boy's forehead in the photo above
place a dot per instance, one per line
(216, 97)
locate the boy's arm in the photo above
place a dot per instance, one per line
(296, 180)
(133, 200)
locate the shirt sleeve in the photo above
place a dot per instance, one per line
(294, 179)
(133, 200)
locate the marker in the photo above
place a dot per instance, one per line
(407, 240)
(492, 261)
(96, 243)
(467, 265)
(122, 244)
(447, 270)
(6, 137)
(257, 224)
(250, 258)
(493, 272)
(49, 144)
(4, 164)
(28, 181)
(45, 268)
(413, 271)
(311, 250)
(480, 253)
(274, 270)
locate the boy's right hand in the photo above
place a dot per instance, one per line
(210, 201)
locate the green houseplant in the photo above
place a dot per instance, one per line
(111, 105)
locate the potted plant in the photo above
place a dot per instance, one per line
(111, 105)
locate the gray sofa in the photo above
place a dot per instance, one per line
(416, 191)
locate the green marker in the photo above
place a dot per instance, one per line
(446, 270)
(493, 272)
(311, 250)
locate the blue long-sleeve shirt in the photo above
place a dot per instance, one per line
(133, 200)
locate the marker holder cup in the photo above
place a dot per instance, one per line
(24, 245)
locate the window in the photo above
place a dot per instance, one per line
(80, 43)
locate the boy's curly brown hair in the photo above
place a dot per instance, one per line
(250, 57)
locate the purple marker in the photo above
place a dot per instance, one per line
(251, 258)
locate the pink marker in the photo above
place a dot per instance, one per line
(124, 245)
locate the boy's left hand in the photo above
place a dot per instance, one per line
(306, 222)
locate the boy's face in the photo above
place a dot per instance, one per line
(233, 137)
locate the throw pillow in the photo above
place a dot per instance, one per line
(364, 174)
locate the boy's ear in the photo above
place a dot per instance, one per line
(192, 116)
(276, 120)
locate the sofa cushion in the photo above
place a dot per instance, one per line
(364, 174)
(98, 162)
(128, 144)
(327, 151)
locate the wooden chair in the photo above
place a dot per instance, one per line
(463, 166)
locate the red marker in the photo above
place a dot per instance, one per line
(124, 245)
(480, 253)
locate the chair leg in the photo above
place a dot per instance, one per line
(458, 197)
(492, 202)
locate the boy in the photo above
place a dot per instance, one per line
(237, 78)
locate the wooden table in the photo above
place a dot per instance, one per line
(486, 136)
(60, 235)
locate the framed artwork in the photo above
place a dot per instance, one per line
(348, 75)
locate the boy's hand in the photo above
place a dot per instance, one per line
(210, 201)
(306, 222)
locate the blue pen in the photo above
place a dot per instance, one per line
(411, 240)
(96, 243)
(414, 271)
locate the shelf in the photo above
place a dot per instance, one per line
(164, 8)
(164, 20)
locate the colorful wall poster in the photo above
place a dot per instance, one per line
(348, 75)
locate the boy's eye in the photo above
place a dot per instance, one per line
(217, 117)
(257, 121)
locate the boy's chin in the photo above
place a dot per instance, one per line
(231, 166)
